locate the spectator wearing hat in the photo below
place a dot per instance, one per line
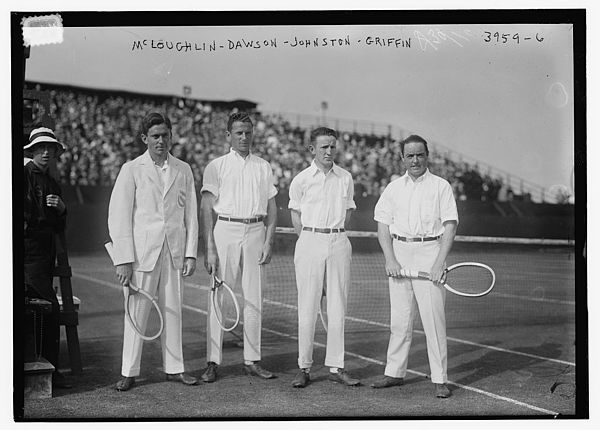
(44, 216)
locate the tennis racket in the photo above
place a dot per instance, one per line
(323, 309)
(131, 291)
(156, 318)
(224, 305)
(468, 279)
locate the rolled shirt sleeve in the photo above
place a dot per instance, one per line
(350, 204)
(210, 179)
(383, 212)
(270, 180)
(295, 193)
(448, 210)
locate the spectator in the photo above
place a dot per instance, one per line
(44, 215)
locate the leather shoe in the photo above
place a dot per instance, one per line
(442, 391)
(343, 377)
(255, 370)
(301, 380)
(125, 383)
(183, 378)
(59, 380)
(210, 374)
(387, 381)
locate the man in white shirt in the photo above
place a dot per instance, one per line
(153, 224)
(417, 220)
(238, 188)
(321, 200)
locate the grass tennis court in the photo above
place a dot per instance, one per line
(509, 353)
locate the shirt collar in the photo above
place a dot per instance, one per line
(315, 169)
(164, 165)
(234, 153)
(149, 159)
(421, 178)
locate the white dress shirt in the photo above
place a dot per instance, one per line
(163, 173)
(417, 208)
(322, 198)
(242, 186)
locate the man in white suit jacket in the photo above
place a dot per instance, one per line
(153, 225)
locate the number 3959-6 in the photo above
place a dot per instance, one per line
(508, 37)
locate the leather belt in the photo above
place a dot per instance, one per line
(242, 220)
(324, 230)
(415, 239)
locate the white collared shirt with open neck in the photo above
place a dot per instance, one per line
(417, 207)
(322, 198)
(242, 185)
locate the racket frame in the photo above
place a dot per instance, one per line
(408, 273)
(109, 249)
(129, 317)
(323, 315)
(216, 307)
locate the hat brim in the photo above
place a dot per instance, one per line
(60, 146)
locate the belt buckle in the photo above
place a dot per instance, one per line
(246, 220)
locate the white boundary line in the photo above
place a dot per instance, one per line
(351, 354)
(533, 299)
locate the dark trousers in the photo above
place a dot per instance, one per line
(39, 266)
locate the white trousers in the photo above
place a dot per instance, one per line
(315, 255)
(239, 247)
(430, 300)
(168, 281)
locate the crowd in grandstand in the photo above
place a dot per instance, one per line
(101, 131)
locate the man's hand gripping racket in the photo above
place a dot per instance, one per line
(467, 279)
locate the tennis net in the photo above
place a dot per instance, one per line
(535, 284)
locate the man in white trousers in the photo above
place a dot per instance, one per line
(238, 189)
(153, 224)
(417, 220)
(321, 200)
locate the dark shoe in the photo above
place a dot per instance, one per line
(301, 380)
(442, 391)
(255, 370)
(387, 381)
(210, 374)
(125, 383)
(183, 378)
(59, 380)
(344, 377)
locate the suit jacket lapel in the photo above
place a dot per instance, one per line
(174, 167)
(151, 170)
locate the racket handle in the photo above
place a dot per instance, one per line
(415, 274)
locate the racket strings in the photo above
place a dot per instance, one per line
(469, 279)
(144, 315)
(225, 306)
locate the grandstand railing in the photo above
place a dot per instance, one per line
(519, 186)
